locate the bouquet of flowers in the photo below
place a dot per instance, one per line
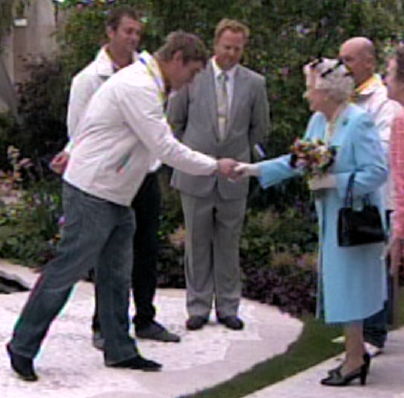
(314, 157)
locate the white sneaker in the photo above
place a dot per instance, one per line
(372, 350)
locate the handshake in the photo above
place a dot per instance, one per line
(227, 167)
(235, 171)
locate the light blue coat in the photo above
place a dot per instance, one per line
(352, 282)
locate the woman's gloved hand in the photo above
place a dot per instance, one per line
(244, 170)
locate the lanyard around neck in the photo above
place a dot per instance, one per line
(157, 80)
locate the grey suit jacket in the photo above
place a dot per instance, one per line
(192, 113)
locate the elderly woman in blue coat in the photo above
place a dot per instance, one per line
(351, 284)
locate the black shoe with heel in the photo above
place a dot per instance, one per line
(336, 379)
(366, 358)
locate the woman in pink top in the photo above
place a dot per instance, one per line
(395, 86)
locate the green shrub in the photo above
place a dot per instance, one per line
(41, 131)
(29, 226)
(278, 258)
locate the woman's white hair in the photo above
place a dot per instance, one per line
(332, 75)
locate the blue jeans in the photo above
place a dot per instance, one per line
(97, 234)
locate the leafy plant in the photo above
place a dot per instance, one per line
(29, 227)
(278, 259)
(42, 109)
(29, 218)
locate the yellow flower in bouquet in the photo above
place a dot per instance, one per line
(312, 157)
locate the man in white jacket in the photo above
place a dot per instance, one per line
(124, 28)
(124, 130)
(359, 55)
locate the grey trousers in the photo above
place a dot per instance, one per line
(97, 234)
(212, 268)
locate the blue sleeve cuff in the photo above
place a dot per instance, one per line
(274, 171)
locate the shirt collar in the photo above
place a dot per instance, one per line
(369, 86)
(217, 70)
(104, 64)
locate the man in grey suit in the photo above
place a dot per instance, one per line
(223, 113)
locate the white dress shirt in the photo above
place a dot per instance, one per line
(230, 79)
(123, 131)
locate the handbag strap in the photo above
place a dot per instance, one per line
(348, 202)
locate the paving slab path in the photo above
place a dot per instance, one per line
(385, 379)
(69, 367)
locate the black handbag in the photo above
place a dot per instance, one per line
(359, 227)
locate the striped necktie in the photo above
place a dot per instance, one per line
(222, 104)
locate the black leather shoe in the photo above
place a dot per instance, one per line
(138, 363)
(196, 322)
(21, 365)
(157, 332)
(336, 379)
(366, 359)
(232, 322)
(333, 370)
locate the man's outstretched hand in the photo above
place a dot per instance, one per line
(226, 168)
